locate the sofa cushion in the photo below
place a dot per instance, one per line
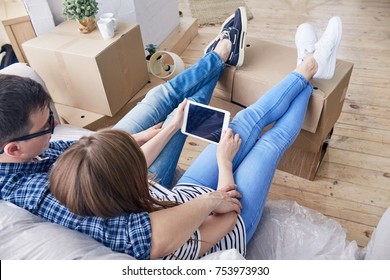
(26, 236)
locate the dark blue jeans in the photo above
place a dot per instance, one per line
(196, 83)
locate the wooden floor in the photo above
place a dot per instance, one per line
(353, 182)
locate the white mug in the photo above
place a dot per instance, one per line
(111, 16)
(106, 27)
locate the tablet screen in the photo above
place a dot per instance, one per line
(205, 122)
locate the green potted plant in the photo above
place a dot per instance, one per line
(84, 11)
(151, 49)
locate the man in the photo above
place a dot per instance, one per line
(27, 122)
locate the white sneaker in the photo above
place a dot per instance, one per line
(326, 49)
(305, 40)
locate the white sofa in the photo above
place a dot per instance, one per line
(287, 231)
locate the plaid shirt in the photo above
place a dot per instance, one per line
(27, 185)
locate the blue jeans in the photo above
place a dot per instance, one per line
(196, 83)
(255, 162)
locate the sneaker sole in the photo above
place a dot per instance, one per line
(244, 25)
(338, 40)
(217, 37)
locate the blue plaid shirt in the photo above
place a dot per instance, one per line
(27, 185)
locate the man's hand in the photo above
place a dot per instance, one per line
(144, 136)
(177, 120)
(226, 201)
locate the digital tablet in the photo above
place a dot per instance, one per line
(204, 122)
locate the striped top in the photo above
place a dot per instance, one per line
(181, 193)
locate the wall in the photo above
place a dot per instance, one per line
(157, 18)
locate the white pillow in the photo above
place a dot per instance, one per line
(69, 132)
(231, 254)
(26, 236)
(23, 70)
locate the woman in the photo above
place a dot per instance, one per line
(218, 202)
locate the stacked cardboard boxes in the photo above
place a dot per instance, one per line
(86, 72)
(265, 65)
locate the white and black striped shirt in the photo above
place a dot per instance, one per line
(182, 193)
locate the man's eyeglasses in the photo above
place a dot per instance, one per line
(37, 134)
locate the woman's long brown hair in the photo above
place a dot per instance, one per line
(104, 174)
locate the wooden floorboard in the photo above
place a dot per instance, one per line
(353, 182)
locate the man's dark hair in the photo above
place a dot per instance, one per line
(19, 97)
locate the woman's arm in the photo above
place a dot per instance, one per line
(172, 227)
(154, 146)
(226, 151)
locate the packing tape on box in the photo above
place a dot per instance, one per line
(166, 65)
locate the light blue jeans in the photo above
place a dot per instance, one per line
(255, 162)
(196, 83)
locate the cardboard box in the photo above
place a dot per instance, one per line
(296, 160)
(265, 65)
(224, 87)
(93, 121)
(86, 72)
(268, 63)
(15, 26)
(18, 31)
(304, 163)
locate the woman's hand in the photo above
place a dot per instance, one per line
(228, 146)
(144, 136)
(177, 120)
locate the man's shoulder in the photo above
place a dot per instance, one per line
(60, 145)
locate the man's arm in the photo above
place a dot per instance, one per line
(172, 227)
(144, 136)
(144, 235)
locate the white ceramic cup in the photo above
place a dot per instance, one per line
(106, 27)
(111, 16)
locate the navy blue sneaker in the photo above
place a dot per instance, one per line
(237, 34)
(223, 34)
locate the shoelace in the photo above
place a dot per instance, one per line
(303, 54)
(225, 34)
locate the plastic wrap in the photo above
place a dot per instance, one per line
(290, 231)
